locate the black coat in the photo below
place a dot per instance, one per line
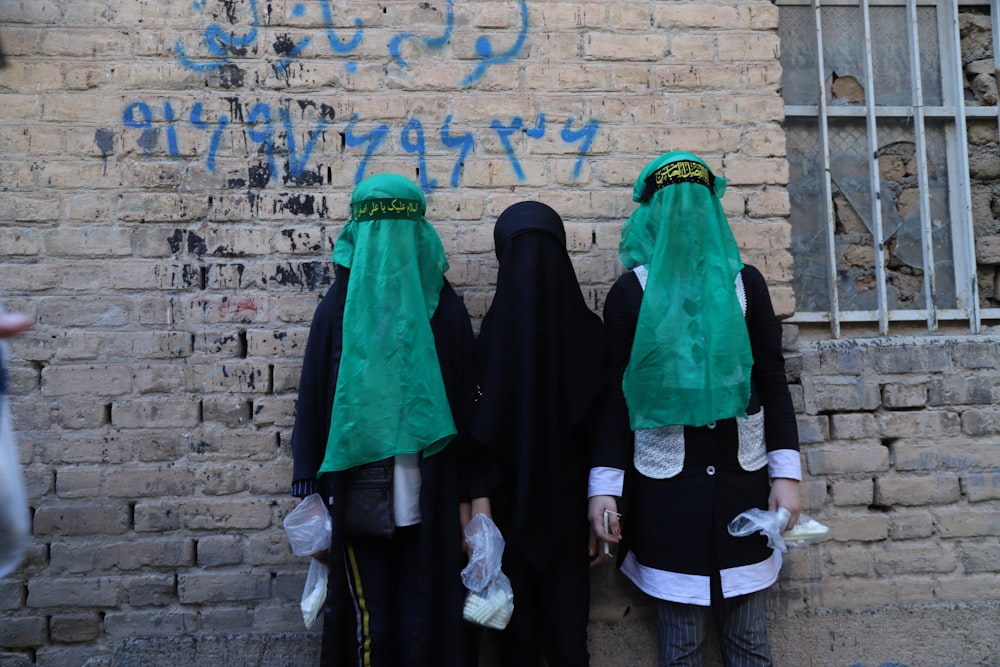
(678, 525)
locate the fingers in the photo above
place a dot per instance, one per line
(13, 323)
(604, 518)
(785, 493)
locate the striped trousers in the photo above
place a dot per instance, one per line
(741, 625)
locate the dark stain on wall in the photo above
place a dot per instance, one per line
(105, 140)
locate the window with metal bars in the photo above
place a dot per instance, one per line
(893, 141)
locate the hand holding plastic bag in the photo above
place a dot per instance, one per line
(490, 600)
(309, 527)
(772, 525)
(309, 532)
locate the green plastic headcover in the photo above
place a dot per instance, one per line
(691, 357)
(390, 397)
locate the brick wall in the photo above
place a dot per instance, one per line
(173, 174)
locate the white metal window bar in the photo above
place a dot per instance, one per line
(951, 109)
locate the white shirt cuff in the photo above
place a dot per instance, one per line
(606, 482)
(783, 463)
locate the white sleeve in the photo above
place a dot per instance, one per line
(606, 482)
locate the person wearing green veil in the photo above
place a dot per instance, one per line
(701, 425)
(385, 398)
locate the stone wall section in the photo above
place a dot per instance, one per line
(173, 176)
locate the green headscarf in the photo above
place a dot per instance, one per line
(390, 397)
(691, 357)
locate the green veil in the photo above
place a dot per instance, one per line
(390, 397)
(691, 359)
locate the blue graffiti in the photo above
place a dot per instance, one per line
(504, 132)
(276, 134)
(168, 115)
(336, 44)
(374, 139)
(586, 133)
(464, 142)
(296, 164)
(412, 141)
(150, 135)
(435, 43)
(221, 43)
(213, 146)
(261, 113)
(484, 48)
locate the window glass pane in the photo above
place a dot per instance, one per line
(808, 214)
(984, 163)
(854, 240)
(844, 54)
(897, 162)
(932, 61)
(797, 31)
(891, 56)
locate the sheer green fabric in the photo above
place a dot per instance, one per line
(691, 357)
(390, 397)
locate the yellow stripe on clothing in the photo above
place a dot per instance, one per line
(366, 638)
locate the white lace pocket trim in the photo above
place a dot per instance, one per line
(659, 452)
(752, 453)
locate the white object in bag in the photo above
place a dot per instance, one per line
(314, 593)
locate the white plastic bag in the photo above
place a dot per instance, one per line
(308, 526)
(310, 531)
(15, 523)
(314, 593)
(490, 600)
(772, 525)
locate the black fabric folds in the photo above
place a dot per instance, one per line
(541, 357)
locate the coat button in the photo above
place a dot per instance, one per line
(710, 470)
(710, 424)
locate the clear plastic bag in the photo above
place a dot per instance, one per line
(772, 525)
(490, 600)
(310, 531)
(308, 526)
(806, 531)
(15, 522)
(314, 593)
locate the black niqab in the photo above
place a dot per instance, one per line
(541, 353)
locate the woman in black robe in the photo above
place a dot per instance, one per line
(541, 363)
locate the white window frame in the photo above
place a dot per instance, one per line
(954, 112)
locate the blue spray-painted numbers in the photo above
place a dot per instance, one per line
(213, 146)
(504, 132)
(412, 141)
(586, 134)
(464, 142)
(373, 139)
(220, 44)
(278, 133)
